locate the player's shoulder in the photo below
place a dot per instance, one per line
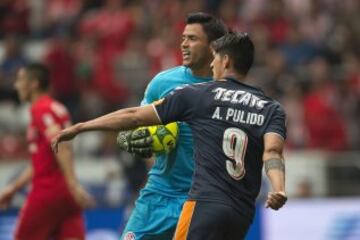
(165, 81)
(49, 105)
(172, 71)
(168, 74)
(195, 87)
(41, 104)
(274, 104)
(278, 106)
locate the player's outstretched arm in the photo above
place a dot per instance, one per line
(65, 160)
(8, 192)
(124, 119)
(275, 169)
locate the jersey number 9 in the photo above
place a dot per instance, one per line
(234, 146)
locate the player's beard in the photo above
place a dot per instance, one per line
(199, 60)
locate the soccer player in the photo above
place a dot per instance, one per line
(53, 208)
(236, 130)
(159, 205)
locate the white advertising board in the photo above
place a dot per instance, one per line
(314, 219)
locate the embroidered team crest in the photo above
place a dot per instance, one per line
(130, 236)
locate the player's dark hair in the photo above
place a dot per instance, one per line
(239, 47)
(40, 73)
(213, 27)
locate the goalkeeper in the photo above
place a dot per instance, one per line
(160, 202)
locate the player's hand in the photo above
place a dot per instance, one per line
(82, 197)
(276, 200)
(66, 134)
(137, 142)
(6, 196)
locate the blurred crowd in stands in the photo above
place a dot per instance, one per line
(102, 54)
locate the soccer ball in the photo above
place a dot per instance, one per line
(164, 137)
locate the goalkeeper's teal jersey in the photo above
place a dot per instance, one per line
(171, 174)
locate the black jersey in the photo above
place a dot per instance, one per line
(229, 120)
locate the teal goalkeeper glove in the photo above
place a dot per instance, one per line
(137, 142)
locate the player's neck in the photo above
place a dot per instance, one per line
(36, 95)
(202, 72)
(232, 74)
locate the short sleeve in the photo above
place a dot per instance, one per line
(277, 122)
(177, 106)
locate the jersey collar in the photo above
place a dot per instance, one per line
(232, 79)
(196, 79)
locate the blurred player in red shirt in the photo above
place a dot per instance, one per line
(53, 209)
